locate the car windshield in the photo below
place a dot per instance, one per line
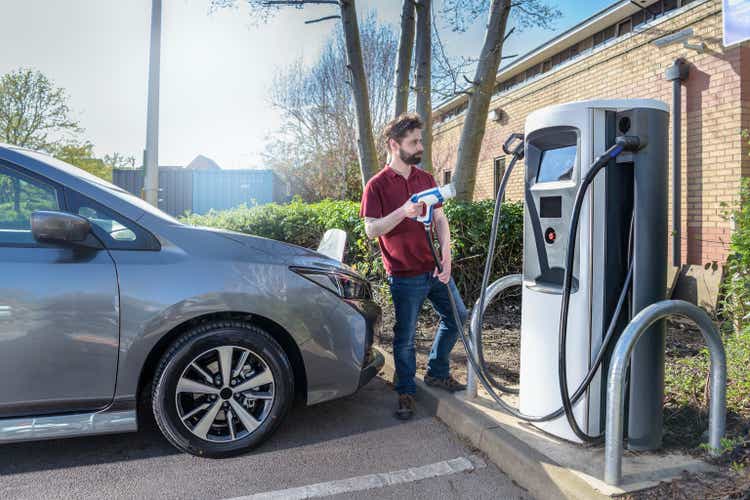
(100, 183)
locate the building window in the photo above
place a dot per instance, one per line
(669, 5)
(564, 55)
(585, 45)
(512, 82)
(446, 177)
(604, 35)
(624, 27)
(498, 169)
(637, 18)
(597, 39)
(533, 71)
(656, 9)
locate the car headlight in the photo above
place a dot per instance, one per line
(345, 285)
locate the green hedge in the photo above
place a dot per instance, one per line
(304, 224)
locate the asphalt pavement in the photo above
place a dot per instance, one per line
(353, 446)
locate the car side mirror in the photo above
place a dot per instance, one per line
(59, 227)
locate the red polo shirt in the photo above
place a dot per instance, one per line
(405, 249)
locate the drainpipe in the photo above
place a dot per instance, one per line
(677, 73)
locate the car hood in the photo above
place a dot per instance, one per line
(286, 252)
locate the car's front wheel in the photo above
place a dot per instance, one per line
(221, 389)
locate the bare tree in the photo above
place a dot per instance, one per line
(316, 146)
(368, 160)
(482, 85)
(423, 79)
(482, 88)
(446, 71)
(459, 14)
(405, 51)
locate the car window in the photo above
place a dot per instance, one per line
(100, 183)
(115, 231)
(108, 224)
(20, 195)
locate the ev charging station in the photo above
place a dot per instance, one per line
(594, 279)
(561, 144)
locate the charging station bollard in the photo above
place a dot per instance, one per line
(619, 368)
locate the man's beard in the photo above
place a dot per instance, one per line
(410, 159)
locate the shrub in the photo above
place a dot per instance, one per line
(470, 234)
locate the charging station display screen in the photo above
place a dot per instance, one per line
(550, 207)
(557, 164)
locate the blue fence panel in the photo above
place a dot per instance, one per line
(225, 189)
(130, 180)
(176, 191)
(175, 187)
(198, 191)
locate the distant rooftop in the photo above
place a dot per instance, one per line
(201, 162)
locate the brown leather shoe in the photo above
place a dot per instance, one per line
(448, 383)
(406, 407)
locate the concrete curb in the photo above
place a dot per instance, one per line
(534, 471)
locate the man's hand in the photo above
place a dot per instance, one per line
(375, 228)
(410, 209)
(445, 276)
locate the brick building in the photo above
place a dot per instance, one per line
(613, 55)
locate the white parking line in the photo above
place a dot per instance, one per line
(373, 481)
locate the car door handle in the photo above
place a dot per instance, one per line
(5, 312)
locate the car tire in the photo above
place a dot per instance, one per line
(217, 424)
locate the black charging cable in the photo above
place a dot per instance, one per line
(624, 143)
(629, 143)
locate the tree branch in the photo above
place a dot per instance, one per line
(326, 18)
(471, 82)
(299, 2)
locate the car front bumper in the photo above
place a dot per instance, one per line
(373, 359)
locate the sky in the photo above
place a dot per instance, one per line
(216, 69)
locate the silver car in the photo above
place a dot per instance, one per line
(107, 303)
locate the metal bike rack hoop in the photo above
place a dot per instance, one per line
(619, 367)
(493, 291)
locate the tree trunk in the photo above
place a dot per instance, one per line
(368, 156)
(405, 51)
(483, 87)
(423, 78)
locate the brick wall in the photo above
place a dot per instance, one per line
(715, 106)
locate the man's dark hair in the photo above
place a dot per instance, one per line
(400, 126)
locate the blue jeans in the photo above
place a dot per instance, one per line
(408, 296)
